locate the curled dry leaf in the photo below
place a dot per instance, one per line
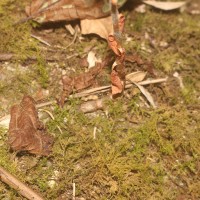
(136, 76)
(26, 132)
(112, 42)
(117, 85)
(121, 23)
(166, 5)
(118, 67)
(146, 94)
(57, 10)
(146, 65)
(102, 27)
(84, 80)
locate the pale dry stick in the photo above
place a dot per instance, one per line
(5, 120)
(94, 132)
(115, 20)
(20, 187)
(146, 94)
(74, 191)
(72, 42)
(107, 88)
(74, 39)
(40, 39)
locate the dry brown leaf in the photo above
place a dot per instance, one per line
(118, 68)
(26, 132)
(121, 23)
(166, 5)
(58, 10)
(134, 58)
(102, 27)
(117, 85)
(146, 94)
(146, 65)
(84, 80)
(136, 76)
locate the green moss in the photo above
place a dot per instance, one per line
(17, 39)
(42, 71)
(127, 158)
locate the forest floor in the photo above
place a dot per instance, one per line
(137, 152)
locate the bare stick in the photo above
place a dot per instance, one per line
(40, 39)
(4, 121)
(114, 14)
(21, 188)
(74, 191)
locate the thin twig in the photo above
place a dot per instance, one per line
(74, 39)
(40, 39)
(74, 191)
(98, 90)
(72, 42)
(115, 20)
(20, 187)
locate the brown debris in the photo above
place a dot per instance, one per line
(26, 132)
(118, 68)
(102, 27)
(65, 10)
(84, 80)
(145, 65)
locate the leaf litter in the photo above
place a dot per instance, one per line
(158, 143)
(26, 132)
(166, 5)
(76, 83)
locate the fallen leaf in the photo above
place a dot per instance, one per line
(121, 22)
(136, 76)
(91, 59)
(26, 132)
(118, 67)
(112, 42)
(134, 58)
(57, 10)
(165, 5)
(102, 27)
(84, 80)
(145, 65)
(146, 94)
(117, 84)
